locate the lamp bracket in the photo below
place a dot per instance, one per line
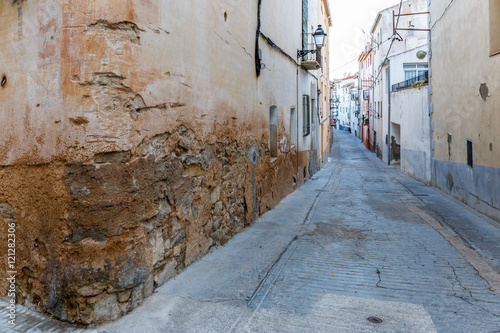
(302, 53)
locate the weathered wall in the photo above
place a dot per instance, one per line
(325, 86)
(410, 109)
(461, 64)
(135, 141)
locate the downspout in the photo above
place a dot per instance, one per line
(372, 120)
(297, 133)
(257, 56)
(429, 90)
(389, 108)
(319, 155)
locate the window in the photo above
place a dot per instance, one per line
(306, 115)
(305, 18)
(494, 27)
(273, 129)
(469, 154)
(414, 70)
(293, 126)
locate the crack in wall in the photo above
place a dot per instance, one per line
(112, 96)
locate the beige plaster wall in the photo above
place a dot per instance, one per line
(460, 64)
(465, 100)
(134, 141)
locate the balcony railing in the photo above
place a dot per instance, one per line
(424, 79)
(312, 61)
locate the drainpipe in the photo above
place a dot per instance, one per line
(429, 89)
(389, 108)
(297, 132)
(318, 133)
(258, 64)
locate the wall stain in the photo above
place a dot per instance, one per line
(449, 181)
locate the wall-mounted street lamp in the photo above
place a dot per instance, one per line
(336, 104)
(319, 39)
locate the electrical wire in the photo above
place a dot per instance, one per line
(445, 11)
(394, 37)
(347, 63)
(353, 60)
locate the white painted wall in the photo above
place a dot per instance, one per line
(401, 52)
(410, 109)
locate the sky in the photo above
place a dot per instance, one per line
(349, 18)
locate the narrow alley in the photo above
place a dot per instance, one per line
(249, 166)
(349, 245)
(360, 240)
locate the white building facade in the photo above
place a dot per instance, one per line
(347, 90)
(399, 117)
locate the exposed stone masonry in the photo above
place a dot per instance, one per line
(130, 220)
(134, 219)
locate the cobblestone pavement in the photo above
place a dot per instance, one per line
(360, 240)
(32, 322)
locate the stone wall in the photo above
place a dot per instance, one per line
(95, 239)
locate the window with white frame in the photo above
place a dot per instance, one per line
(414, 70)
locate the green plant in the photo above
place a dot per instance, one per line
(419, 84)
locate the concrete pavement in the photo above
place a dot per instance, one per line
(359, 240)
(350, 244)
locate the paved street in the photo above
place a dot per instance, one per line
(351, 244)
(359, 240)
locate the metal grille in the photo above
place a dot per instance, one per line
(408, 83)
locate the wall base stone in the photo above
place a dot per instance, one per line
(95, 238)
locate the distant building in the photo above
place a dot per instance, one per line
(366, 95)
(347, 94)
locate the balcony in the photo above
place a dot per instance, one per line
(311, 61)
(366, 94)
(412, 83)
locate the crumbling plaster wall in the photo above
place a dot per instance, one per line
(133, 142)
